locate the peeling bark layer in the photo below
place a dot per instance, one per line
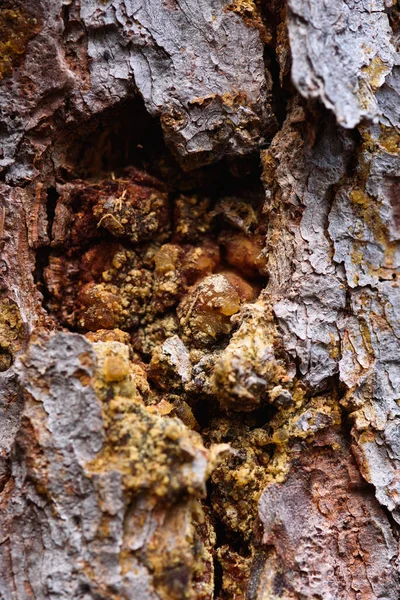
(83, 513)
(342, 53)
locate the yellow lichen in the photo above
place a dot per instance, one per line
(251, 13)
(247, 369)
(11, 332)
(376, 72)
(368, 209)
(148, 450)
(390, 139)
(17, 27)
(161, 461)
(300, 421)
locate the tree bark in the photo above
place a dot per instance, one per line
(199, 300)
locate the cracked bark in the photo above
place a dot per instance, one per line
(200, 308)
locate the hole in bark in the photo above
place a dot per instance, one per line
(112, 140)
(204, 225)
(168, 261)
(84, 588)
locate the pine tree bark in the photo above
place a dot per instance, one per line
(199, 300)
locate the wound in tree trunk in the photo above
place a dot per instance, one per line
(199, 300)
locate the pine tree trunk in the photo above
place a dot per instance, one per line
(199, 300)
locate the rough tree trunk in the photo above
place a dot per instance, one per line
(199, 303)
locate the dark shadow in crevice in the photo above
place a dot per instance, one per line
(126, 135)
(282, 87)
(52, 197)
(110, 141)
(394, 17)
(225, 537)
(42, 256)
